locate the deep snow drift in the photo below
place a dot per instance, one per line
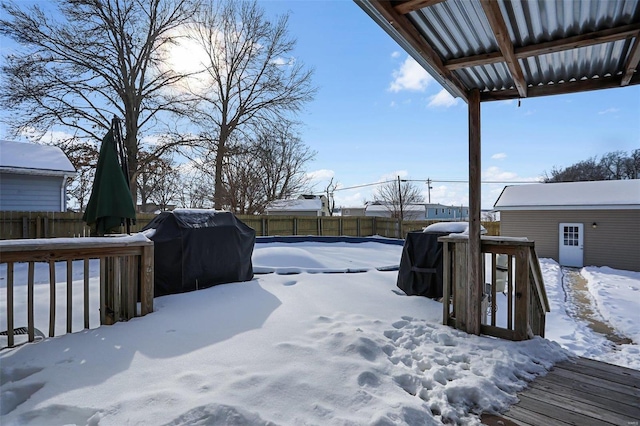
(308, 348)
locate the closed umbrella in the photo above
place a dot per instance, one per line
(110, 204)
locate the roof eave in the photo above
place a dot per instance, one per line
(570, 207)
(37, 172)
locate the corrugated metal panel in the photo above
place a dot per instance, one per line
(459, 28)
(452, 29)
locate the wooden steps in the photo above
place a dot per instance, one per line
(577, 392)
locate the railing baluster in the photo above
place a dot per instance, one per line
(103, 296)
(69, 295)
(86, 292)
(446, 275)
(494, 281)
(146, 280)
(10, 304)
(52, 298)
(510, 292)
(30, 320)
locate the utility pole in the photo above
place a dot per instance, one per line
(400, 197)
(429, 188)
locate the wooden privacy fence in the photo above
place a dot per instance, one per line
(511, 271)
(15, 225)
(126, 275)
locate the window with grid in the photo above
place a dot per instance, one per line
(571, 236)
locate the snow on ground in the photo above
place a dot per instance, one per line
(307, 348)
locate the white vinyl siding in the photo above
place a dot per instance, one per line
(31, 193)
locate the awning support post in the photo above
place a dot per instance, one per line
(474, 258)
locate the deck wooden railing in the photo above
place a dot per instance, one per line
(511, 262)
(126, 275)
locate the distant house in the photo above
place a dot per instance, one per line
(577, 223)
(437, 212)
(446, 213)
(33, 177)
(409, 211)
(304, 205)
(352, 211)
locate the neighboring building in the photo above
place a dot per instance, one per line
(437, 212)
(154, 208)
(304, 205)
(446, 213)
(352, 211)
(33, 177)
(409, 211)
(577, 223)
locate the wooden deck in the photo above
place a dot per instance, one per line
(578, 392)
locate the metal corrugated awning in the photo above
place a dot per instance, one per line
(510, 49)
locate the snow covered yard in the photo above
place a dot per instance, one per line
(306, 348)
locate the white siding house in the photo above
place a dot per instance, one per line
(33, 177)
(409, 211)
(298, 207)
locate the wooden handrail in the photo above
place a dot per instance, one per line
(134, 254)
(527, 301)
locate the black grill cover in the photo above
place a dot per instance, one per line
(196, 249)
(420, 272)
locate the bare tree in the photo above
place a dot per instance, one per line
(611, 166)
(157, 180)
(254, 81)
(271, 168)
(84, 159)
(91, 60)
(328, 191)
(396, 195)
(194, 192)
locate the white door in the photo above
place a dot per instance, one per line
(571, 244)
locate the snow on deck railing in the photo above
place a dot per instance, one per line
(126, 267)
(513, 299)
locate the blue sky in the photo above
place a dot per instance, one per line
(377, 115)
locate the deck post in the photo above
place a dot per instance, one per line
(474, 270)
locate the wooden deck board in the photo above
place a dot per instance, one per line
(579, 392)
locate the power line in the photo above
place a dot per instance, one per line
(430, 181)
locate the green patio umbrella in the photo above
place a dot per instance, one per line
(110, 204)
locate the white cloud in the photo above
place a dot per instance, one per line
(50, 136)
(395, 54)
(283, 61)
(394, 175)
(499, 156)
(321, 175)
(494, 173)
(393, 104)
(609, 111)
(442, 99)
(410, 76)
